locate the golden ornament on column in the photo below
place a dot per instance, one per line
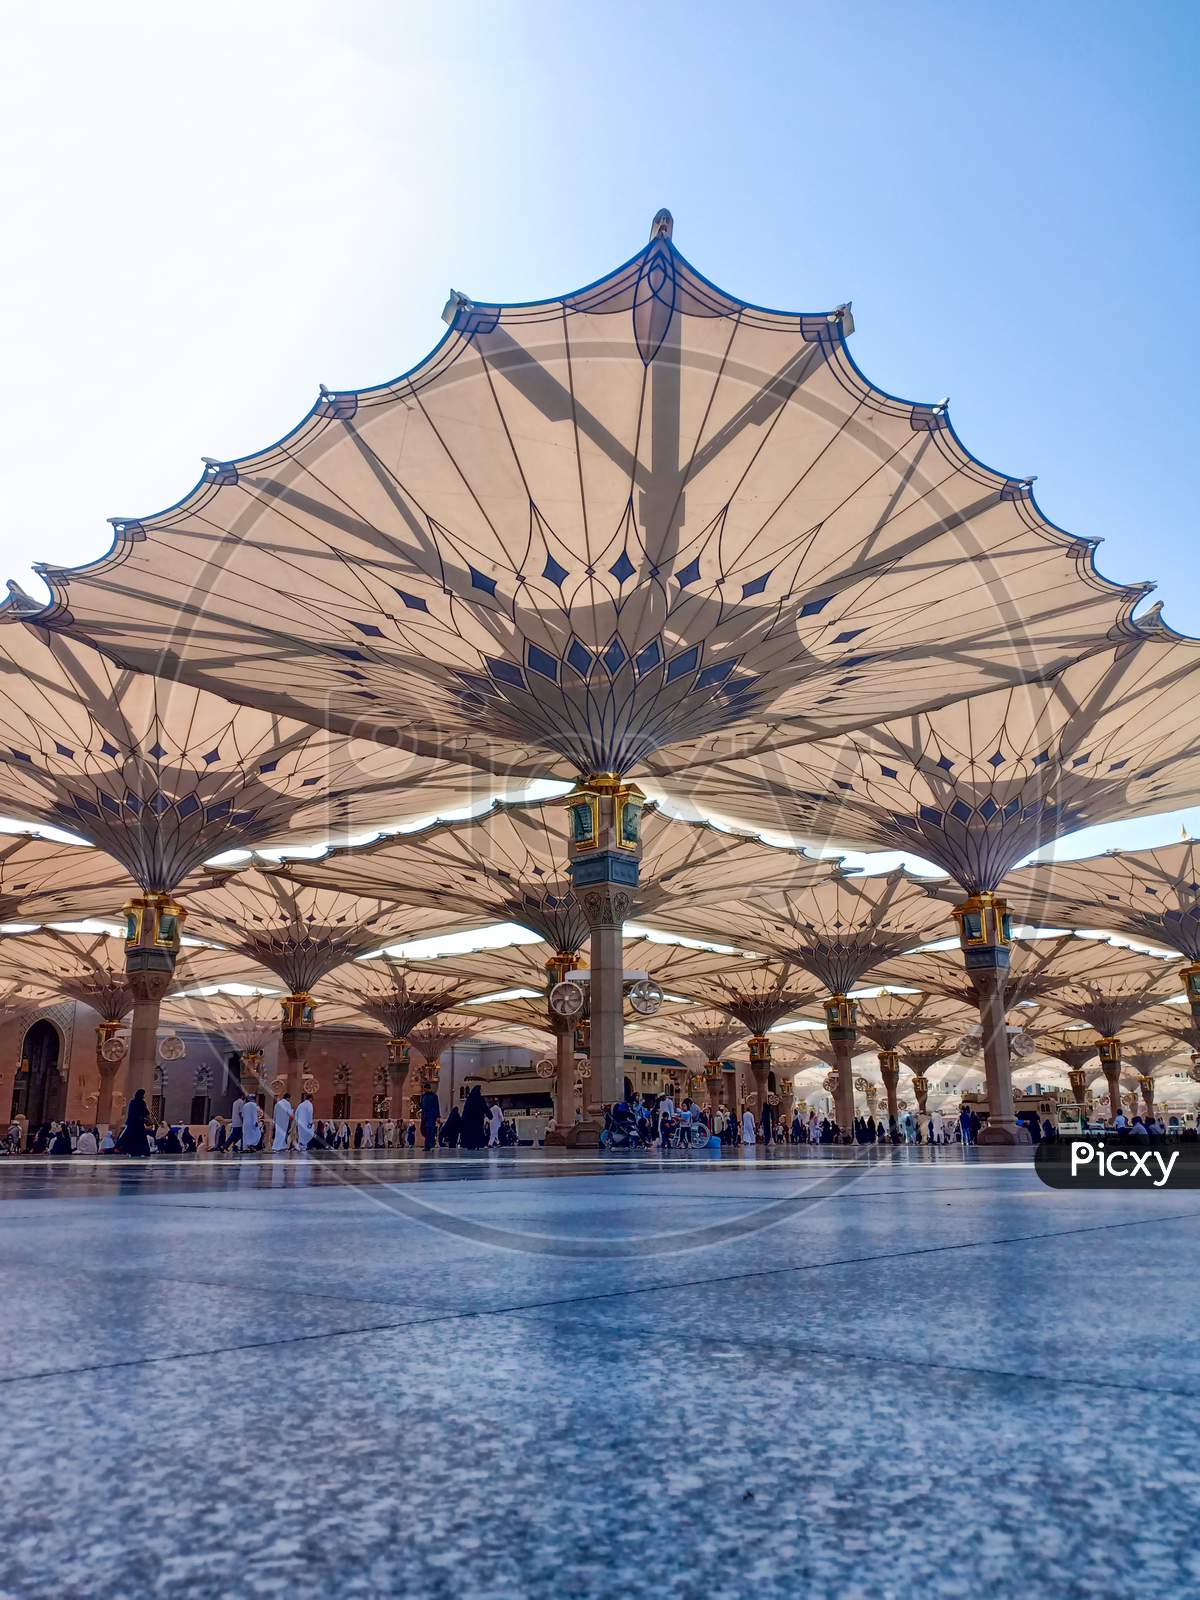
(1190, 975)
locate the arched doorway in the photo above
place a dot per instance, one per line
(39, 1088)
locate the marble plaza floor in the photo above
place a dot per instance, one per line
(912, 1373)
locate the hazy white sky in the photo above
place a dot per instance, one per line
(209, 210)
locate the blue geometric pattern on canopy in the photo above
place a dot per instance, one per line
(641, 481)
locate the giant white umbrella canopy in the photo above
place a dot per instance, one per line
(678, 969)
(1040, 966)
(1151, 895)
(47, 880)
(89, 967)
(837, 930)
(510, 864)
(161, 775)
(977, 785)
(397, 997)
(1108, 1001)
(643, 518)
(591, 527)
(301, 935)
(888, 1020)
(757, 994)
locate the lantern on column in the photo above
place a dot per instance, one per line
(298, 1011)
(154, 922)
(841, 1015)
(984, 930)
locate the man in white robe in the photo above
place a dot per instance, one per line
(749, 1128)
(251, 1125)
(495, 1123)
(283, 1121)
(304, 1123)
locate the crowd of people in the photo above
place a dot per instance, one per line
(249, 1130)
(653, 1122)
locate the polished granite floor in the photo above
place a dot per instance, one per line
(912, 1373)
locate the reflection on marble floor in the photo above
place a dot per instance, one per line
(922, 1375)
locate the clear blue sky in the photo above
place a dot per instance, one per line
(208, 214)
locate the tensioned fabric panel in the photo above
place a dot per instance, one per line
(641, 517)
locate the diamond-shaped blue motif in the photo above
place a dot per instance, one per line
(268, 766)
(622, 568)
(553, 570)
(188, 806)
(504, 671)
(851, 633)
(541, 661)
(930, 814)
(961, 811)
(369, 628)
(213, 755)
(755, 586)
(997, 760)
(63, 750)
(615, 657)
(579, 658)
(646, 660)
(715, 674)
(688, 574)
(888, 772)
(480, 581)
(988, 809)
(682, 664)
(412, 601)
(811, 607)
(107, 749)
(156, 750)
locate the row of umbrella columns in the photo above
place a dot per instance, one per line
(604, 850)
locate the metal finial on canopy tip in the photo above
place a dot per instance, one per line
(456, 303)
(663, 225)
(20, 600)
